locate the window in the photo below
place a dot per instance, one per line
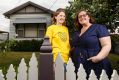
(20, 30)
(31, 30)
(42, 30)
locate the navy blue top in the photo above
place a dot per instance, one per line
(88, 45)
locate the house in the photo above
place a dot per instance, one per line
(28, 21)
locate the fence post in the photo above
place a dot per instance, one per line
(46, 69)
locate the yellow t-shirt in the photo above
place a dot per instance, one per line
(59, 39)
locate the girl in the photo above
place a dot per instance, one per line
(59, 36)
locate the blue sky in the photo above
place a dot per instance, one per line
(6, 5)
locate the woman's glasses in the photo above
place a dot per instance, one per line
(84, 15)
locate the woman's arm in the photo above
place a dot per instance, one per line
(106, 47)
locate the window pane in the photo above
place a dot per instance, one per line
(20, 30)
(20, 33)
(41, 33)
(30, 30)
(42, 29)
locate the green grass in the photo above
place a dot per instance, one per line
(15, 57)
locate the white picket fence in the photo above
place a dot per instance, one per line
(70, 74)
(31, 72)
(24, 72)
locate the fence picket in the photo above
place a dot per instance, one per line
(22, 71)
(92, 76)
(1, 75)
(103, 75)
(81, 73)
(11, 73)
(70, 74)
(33, 69)
(115, 75)
(59, 68)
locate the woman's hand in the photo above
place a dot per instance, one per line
(95, 59)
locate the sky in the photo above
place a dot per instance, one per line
(6, 5)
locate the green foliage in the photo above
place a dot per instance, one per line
(115, 38)
(114, 59)
(4, 46)
(25, 45)
(104, 11)
(115, 42)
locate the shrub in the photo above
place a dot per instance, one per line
(4, 46)
(115, 43)
(24, 45)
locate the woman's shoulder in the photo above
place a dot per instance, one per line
(99, 25)
(101, 30)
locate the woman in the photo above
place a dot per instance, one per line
(91, 45)
(59, 36)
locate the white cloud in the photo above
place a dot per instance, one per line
(6, 5)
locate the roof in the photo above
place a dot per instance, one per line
(3, 31)
(8, 13)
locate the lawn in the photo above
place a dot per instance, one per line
(15, 57)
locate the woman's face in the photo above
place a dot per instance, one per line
(60, 18)
(83, 18)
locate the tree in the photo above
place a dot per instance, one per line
(104, 11)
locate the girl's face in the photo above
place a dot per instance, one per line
(60, 18)
(83, 17)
